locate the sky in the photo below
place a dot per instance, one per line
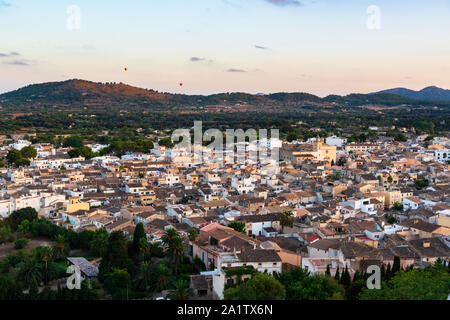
(257, 46)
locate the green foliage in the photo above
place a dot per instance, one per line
(431, 283)
(420, 184)
(193, 234)
(287, 219)
(397, 206)
(238, 226)
(300, 285)
(99, 243)
(20, 243)
(181, 290)
(73, 141)
(118, 283)
(116, 255)
(16, 217)
(166, 142)
(261, 287)
(28, 152)
(85, 152)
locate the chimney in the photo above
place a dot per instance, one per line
(426, 244)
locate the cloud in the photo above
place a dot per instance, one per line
(197, 59)
(4, 4)
(7, 55)
(261, 47)
(283, 3)
(235, 70)
(17, 63)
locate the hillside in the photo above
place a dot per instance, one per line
(82, 93)
(429, 93)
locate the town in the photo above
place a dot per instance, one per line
(161, 224)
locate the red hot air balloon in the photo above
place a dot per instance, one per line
(181, 84)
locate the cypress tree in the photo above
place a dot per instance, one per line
(396, 265)
(139, 233)
(345, 278)
(336, 276)
(383, 272)
(388, 272)
(328, 272)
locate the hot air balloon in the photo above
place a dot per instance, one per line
(181, 84)
(126, 69)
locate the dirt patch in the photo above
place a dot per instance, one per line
(8, 248)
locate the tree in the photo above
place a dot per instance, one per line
(138, 235)
(193, 234)
(431, 283)
(181, 290)
(420, 184)
(397, 206)
(166, 142)
(336, 275)
(160, 277)
(20, 243)
(345, 278)
(238, 226)
(28, 152)
(145, 275)
(34, 290)
(61, 248)
(46, 256)
(301, 285)
(74, 142)
(99, 243)
(261, 287)
(29, 271)
(16, 217)
(13, 156)
(169, 240)
(116, 255)
(328, 271)
(119, 281)
(286, 220)
(396, 265)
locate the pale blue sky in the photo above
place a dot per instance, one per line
(322, 46)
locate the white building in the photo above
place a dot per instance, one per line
(336, 141)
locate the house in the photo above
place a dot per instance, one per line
(88, 270)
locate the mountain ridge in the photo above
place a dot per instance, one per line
(82, 92)
(428, 93)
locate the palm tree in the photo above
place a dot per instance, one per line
(30, 270)
(145, 274)
(60, 248)
(160, 277)
(178, 251)
(181, 290)
(46, 256)
(286, 220)
(168, 239)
